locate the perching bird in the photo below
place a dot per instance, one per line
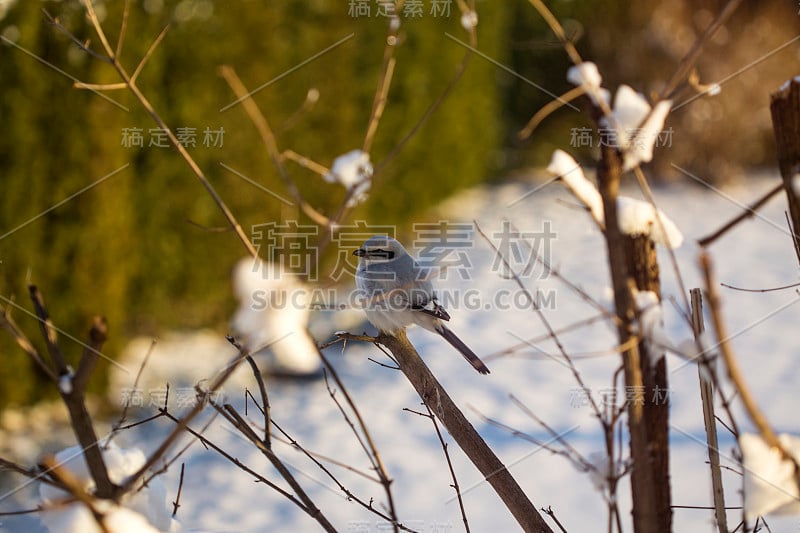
(399, 294)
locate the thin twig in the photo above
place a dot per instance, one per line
(123, 417)
(734, 373)
(549, 512)
(744, 215)
(687, 63)
(455, 486)
(268, 139)
(542, 318)
(262, 389)
(236, 420)
(8, 323)
(122, 28)
(177, 503)
(148, 107)
(48, 331)
(547, 110)
(316, 458)
(372, 452)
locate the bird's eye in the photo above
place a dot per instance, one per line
(383, 254)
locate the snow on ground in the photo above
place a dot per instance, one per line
(218, 497)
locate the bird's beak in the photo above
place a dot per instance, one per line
(360, 252)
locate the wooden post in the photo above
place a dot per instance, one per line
(643, 269)
(785, 109)
(709, 418)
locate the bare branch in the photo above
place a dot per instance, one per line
(8, 323)
(268, 139)
(734, 373)
(48, 331)
(747, 213)
(435, 396)
(443, 444)
(687, 63)
(97, 337)
(366, 443)
(176, 504)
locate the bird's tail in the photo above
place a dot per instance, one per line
(468, 354)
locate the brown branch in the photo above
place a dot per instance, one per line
(97, 337)
(74, 396)
(548, 109)
(268, 139)
(8, 323)
(182, 151)
(366, 442)
(642, 481)
(236, 420)
(434, 395)
(183, 423)
(210, 444)
(785, 110)
(74, 488)
(48, 331)
(177, 503)
(443, 444)
(734, 373)
(747, 213)
(313, 457)
(687, 63)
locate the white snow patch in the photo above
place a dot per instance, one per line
(769, 480)
(65, 382)
(145, 510)
(651, 324)
(786, 84)
(636, 126)
(587, 76)
(564, 166)
(630, 110)
(641, 145)
(274, 308)
(469, 20)
(353, 170)
(635, 217)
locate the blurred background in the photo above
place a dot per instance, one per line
(136, 247)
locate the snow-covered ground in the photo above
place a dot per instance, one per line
(217, 496)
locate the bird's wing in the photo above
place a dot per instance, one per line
(433, 308)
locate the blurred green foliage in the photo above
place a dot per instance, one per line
(133, 247)
(137, 240)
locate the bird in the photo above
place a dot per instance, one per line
(398, 294)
